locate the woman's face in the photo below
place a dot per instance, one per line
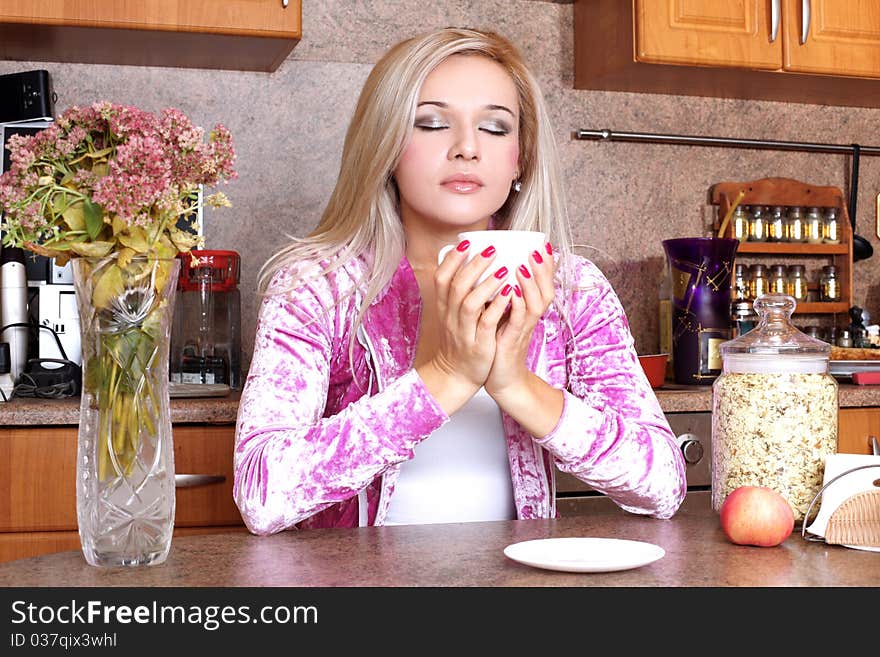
(458, 166)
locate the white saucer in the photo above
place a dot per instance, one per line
(584, 555)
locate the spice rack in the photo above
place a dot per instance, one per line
(789, 192)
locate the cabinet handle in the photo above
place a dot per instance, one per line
(194, 480)
(284, 3)
(774, 19)
(805, 20)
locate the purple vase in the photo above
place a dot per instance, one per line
(701, 270)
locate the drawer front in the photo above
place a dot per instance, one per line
(38, 474)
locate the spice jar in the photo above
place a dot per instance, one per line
(739, 291)
(774, 410)
(740, 224)
(829, 285)
(757, 224)
(797, 283)
(758, 283)
(830, 227)
(794, 225)
(776, 225)
(813, 226)
(778, 279)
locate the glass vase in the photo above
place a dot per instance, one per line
(125, 495)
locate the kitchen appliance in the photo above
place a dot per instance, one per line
(701, 269)
(693, 432)
(206, 332)
(26, 96)
(57, 311)
(14, 308)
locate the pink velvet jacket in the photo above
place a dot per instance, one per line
(320, 445)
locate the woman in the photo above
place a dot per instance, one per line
(388, 389)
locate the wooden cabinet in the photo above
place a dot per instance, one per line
(759, 49)
(788, 193)
(234, 34)
(855, 428)
(38, 492)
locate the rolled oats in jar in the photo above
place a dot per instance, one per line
(774, 410)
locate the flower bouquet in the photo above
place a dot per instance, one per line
(116, 190)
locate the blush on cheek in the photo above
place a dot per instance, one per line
(513, 156)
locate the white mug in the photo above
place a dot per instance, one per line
(513, 248)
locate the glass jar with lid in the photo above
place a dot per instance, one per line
(739, 291)
(758, 283)
(794, 225)
(776, 224)
(740, 224)
(813, 226)
(797, 282)
(757, 224)
(774, 410)
(778, 279)
(831, 227)
(829, 284)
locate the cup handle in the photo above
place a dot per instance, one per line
(446, 249)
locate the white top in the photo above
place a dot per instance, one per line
(460, 473)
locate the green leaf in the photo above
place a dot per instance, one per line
(92, 249)
(107, 287)
(74, 216)
(94, 216)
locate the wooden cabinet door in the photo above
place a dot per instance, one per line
(843, 37)
(707, 33)
(252, 17)
(855, 428)
(38, 477)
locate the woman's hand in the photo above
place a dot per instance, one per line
(468, 323)
(528, 399)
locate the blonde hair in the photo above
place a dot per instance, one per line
(362, 218)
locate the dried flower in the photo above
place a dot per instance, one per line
(111, 179)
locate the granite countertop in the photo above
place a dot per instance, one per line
(466, 554)
(673, 398)
(29, 411)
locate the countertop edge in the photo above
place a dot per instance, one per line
(30, 412)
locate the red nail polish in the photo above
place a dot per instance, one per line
(488, 251)
(548, 248)
(506, 290)
(537, 257)
(501, 273)
(524, 271)
(517, 290)
(463, 246)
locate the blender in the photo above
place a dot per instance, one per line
(206, 334)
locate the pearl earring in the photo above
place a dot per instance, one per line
(517, 185)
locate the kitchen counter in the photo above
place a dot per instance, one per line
(466, 554)
(29, 411)
(222, 410)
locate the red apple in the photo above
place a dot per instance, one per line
(755, 515)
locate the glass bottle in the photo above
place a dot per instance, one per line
(830, 227)
(797, 283)
(758, 283)
(778, 279)
(774, 410)
(743, 317)
(757, 224)
(794, 225)
(776, 225)
(740, 289)
(740, 224)
(829, 284)
(813, 226)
